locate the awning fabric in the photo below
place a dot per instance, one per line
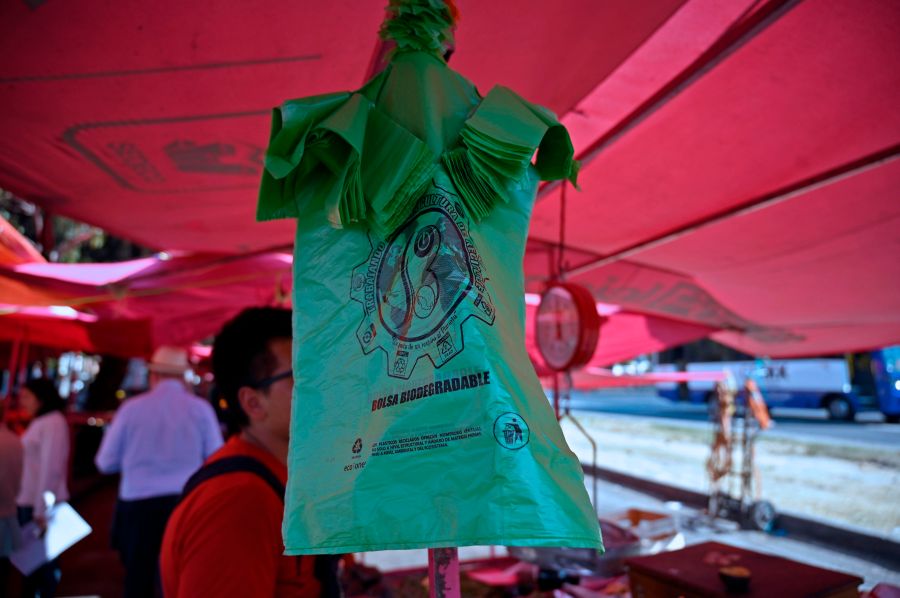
(740, 158)
(150, 121)
(761, 198)
(69, 330)
(184, 298)
(14, 248)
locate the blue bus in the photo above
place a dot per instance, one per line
(842, 385)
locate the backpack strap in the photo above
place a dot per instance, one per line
(325, 566)
(237, 463)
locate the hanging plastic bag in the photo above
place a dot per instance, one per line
(418, 420)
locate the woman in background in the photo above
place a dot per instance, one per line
(44, 469)
(10, 482)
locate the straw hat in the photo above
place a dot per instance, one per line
(169, 360)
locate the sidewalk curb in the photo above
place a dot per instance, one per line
(875, 549)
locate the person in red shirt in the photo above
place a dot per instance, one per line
(224, 538)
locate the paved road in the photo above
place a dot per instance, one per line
(810, 424)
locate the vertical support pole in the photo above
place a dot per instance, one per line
(22, 375)
(561, 265)
(47, 234)
(556, 394)
(13, 366)
(443, 573)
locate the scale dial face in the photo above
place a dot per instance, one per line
(567, 326)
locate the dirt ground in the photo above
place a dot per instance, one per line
(848, 485)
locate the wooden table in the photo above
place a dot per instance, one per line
(693, 572)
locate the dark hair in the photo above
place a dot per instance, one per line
(242, 356)
(48, 399)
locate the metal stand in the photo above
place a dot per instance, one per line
(557, 395)
(735, 492)
(443, 573)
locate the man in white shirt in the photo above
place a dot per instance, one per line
(156, 440)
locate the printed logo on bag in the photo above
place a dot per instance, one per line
(420, 285)
(357, 446)
(511, 432)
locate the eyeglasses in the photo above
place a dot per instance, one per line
(267, 382)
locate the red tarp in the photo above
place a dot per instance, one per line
(762, 197)
(68, 330)
(739, 157)
(14, 248)
(150, 120)
(183, 297)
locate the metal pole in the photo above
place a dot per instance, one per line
(593, 444)
(556, 394)
(22, 374)
(46, 234)
(443, 573)
(13, 366)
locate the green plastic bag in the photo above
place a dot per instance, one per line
(418, 420)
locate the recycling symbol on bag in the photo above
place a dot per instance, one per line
(511, 431)
(420, 285)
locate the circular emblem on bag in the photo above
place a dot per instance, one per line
(511, 432)
(419, 285)
(423, 276)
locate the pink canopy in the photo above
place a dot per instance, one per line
(754, 190)
(14, 248)
(150, 120)
(183, 298)
(66, 329)
(180, 298)
(739, 157)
